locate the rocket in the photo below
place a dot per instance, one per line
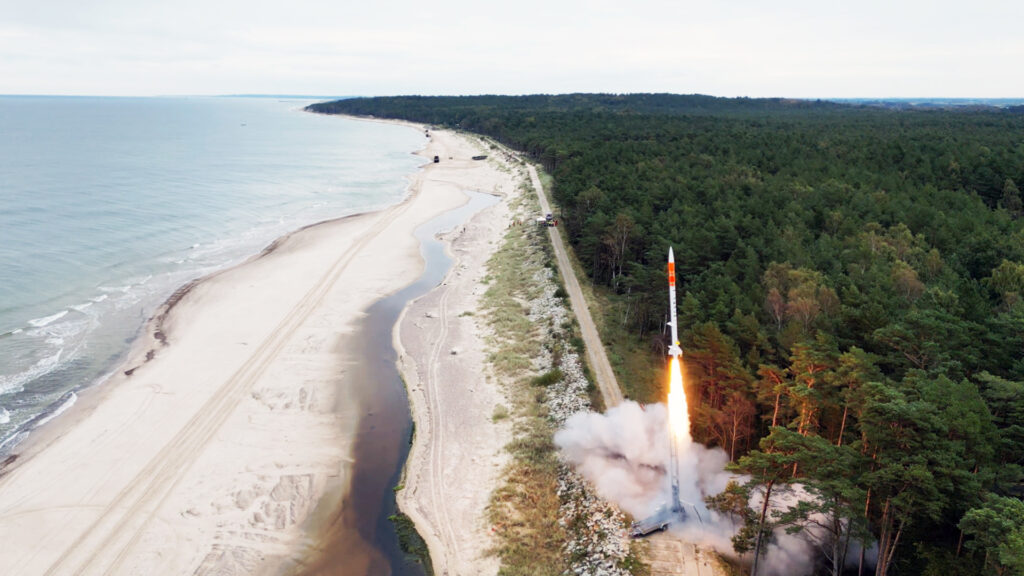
(673, 349)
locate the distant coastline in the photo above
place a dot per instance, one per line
(934, 103)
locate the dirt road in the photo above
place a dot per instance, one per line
(596, 357)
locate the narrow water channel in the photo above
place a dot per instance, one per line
(366, 542)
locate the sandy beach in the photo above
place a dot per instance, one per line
(225, 441)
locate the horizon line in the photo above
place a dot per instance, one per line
(348, 96)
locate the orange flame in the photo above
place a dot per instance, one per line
(678, 415)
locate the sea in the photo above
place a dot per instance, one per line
(107, 205)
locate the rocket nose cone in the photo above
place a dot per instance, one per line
(671, 257)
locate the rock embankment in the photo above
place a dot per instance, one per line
(597, 541)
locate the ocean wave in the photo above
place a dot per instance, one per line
(16, 382)
(128, 301)
(9, 444)
(5, 416)
(68, 328)
(100, 298)
(67, 401)
(40, 322)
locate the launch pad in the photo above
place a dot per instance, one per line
(659, 521)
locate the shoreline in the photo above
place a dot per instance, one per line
(152, 337)
(171, 481)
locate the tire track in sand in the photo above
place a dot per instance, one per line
(438, 501)
(124, 519)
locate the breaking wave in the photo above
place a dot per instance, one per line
(47, 320)
(16, 382)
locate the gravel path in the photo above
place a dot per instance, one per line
(596, 356)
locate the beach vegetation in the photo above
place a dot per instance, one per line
(547, 379)
(411, 543)
(511, 346)
(500, 413)
(524, 510)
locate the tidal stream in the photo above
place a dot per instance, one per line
(363, 540)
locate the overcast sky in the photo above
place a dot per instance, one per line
(754, 48)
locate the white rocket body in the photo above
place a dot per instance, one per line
(673, 349)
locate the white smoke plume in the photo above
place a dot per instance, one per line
(624, 453)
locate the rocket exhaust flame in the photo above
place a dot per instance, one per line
(678, 413)
(679, 430)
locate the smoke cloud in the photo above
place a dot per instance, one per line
(624, 453)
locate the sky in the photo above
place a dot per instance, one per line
(755, 48)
